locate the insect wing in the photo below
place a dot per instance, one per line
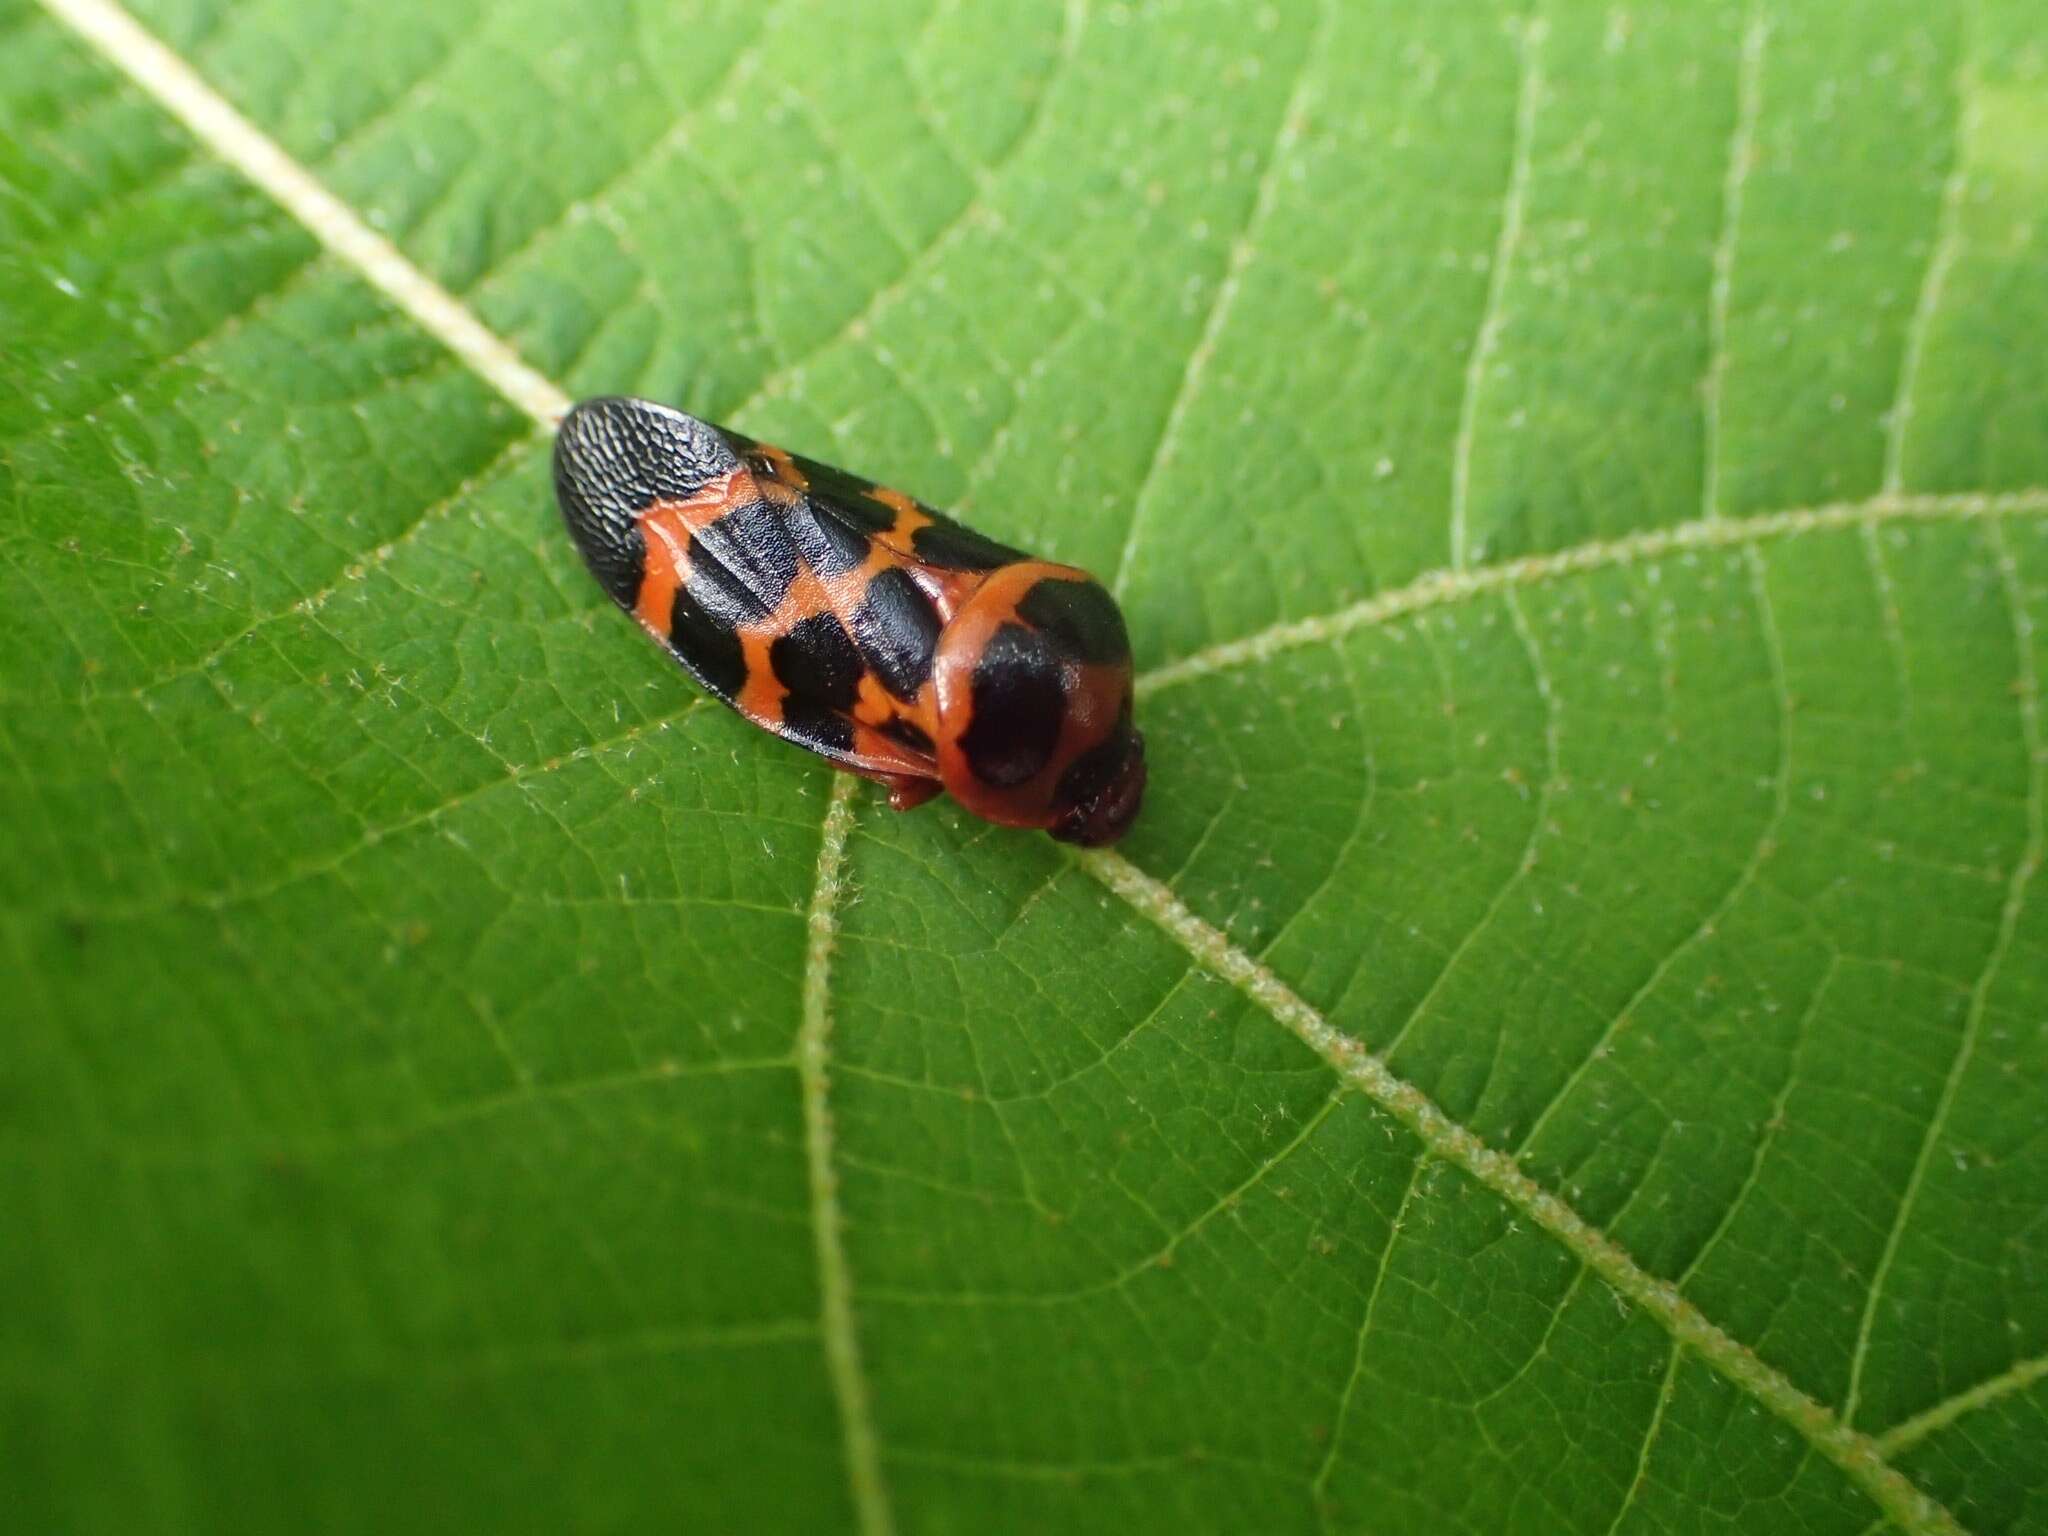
(914, 530)
(614, 459)
(729, 572)
(852, 534)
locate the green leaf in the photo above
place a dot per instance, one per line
(1562, 1049)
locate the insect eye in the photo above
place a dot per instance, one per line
(1102, 790)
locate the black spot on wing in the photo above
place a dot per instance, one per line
(897, 628)
(1019, 702)
(706, 641)
(848, 500)
(710, 607)
(829, 541)
(817, 663)
(615, 457)
(846, 495)
(722, 594)
(1079, 618)
(753, 547)
(946, 544)
(907, 733)
(820, 729)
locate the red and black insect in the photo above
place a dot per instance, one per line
(858, 623)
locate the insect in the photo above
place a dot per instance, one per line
(859, 623)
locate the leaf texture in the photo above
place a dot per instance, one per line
(1562, 1049)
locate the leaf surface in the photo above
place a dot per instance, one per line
(1562, 1049)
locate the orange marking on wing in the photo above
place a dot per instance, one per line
(780, 492)
(884, 758)
(807, 595)
(874, 706)
(710, 502)
(951, 589)
(900, 504)
(947, 589)
(666, 540)
(761, 695)
(909, 518)
(665, 530)
(781, 466)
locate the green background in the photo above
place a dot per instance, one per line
(403, 1117)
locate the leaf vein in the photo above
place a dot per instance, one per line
(1528, 43)
(1446, 588)
(1941, 257)
(835, 1286)
(1854, 1453)
(1741, 155)
(1539, 815)
(1650, 1432)
(181, 91)
(1910, 1432)
(1286, 133)
(777, 382)
(671, 138)
(1357, 1372)
(2028, 694)
(1759, 854)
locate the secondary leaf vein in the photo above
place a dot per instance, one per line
(1285, 135)
(1444, 588)
(835, 1287)
(1940, 259)
(2028, 694)
(1855, 1454)
(1741, 154)
(1529, 43)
